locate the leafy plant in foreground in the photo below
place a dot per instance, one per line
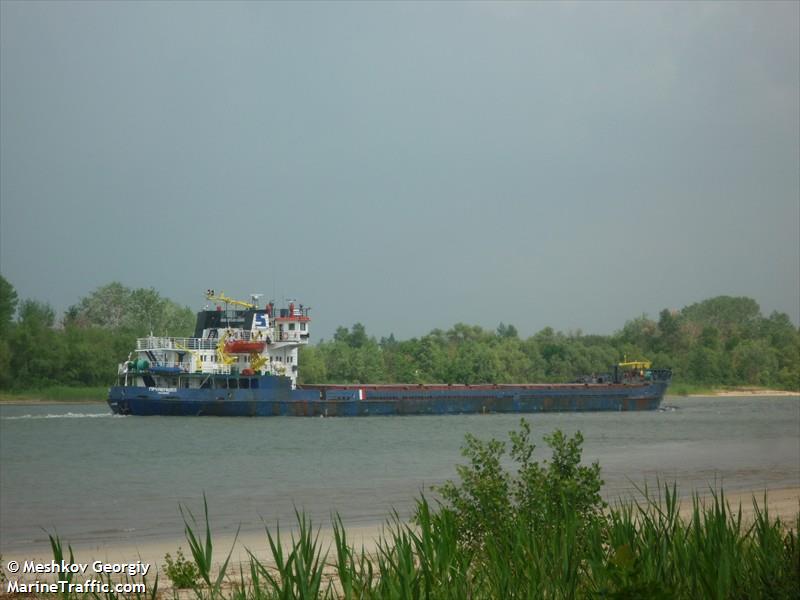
(492, 502)
(181, 572)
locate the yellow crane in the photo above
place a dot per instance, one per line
(221, 297)
(197, 360)
(257, 361)
(222, 356)
(634, 364)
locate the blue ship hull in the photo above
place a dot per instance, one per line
(272, 396)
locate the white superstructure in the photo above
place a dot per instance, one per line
(233, 337)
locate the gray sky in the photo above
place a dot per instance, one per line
(405, 165)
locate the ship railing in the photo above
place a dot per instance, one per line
(222, 369)
(182, 343)
(175, 343)
(171, 364)
(184, 367)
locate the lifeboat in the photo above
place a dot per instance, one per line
(244, 346)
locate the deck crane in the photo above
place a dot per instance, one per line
(221, 297)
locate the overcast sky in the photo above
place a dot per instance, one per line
(406, 165)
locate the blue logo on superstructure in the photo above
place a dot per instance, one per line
(261, 321)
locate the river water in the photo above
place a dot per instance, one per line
(94, 477)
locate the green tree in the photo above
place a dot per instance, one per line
(704, 365)
(91, 355)
(490, 502)
(755, 363)
(149, 312)
(669, 329)
(640, 333)
(107, 306)
(432, 359)
(536, 364)
(313, 369)
(507, 331)
(514, 366)
(140, 311)
(6, 377)
(36, 349)
(358, 336)
(8, 306)
(732, 316)
(474, 363)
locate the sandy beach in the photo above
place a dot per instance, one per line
(152, 552)
(746, 392)
(782, 503)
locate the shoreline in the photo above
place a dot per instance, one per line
(39, 402)
(781, 502)
(745, 392)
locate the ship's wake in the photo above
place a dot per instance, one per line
(69, 415)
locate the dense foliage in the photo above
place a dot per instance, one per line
(720, 341)
(85, 346)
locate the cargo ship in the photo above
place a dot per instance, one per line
(243, 361)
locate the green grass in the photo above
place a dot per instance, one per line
(58, 393)
(687, 389)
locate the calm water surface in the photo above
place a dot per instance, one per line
(96, 477)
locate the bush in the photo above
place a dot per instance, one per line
(182, 573)
(490, 501)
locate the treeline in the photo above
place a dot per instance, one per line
(84, 347)
(720, 341)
